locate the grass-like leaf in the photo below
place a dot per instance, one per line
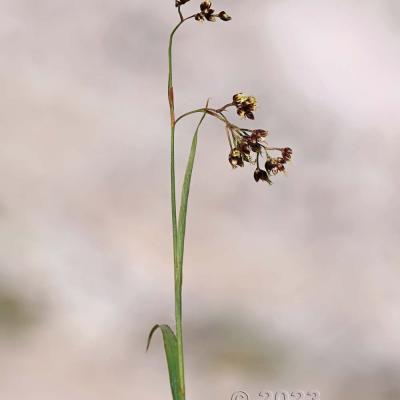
(185, 192)
(171, 353)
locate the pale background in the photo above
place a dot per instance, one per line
(294, 286)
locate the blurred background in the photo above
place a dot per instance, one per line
(288, 287)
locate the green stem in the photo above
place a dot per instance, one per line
(209, 111)
(177, 265)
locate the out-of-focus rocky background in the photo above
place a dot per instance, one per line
(294, 286)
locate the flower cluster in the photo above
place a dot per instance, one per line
(206, 12)
(273, 165)
(250, 145)
(245, 105)
(246, 145)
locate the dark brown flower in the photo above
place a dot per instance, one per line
(270, 164)
(256, 147)
(259, 134)
(274, 165)
(179, 3)
(206, 12)
(281, 160)
(235, 158)
(287, 153)
(245, 105)
(205, 6)
(223, 16)
(280, 167)
(245, 147)
(261, 175)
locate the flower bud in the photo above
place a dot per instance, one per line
(269, 165)
(287, 153)
(210, 17)
(245, 105)
(260, 174)
(235, 158)
(260, 133)
(179, 3)
(255, 147)
(245, 148)
(224, 16)
(205, 5)
(249, 115)
(280, 168)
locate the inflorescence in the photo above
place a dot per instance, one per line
(246, 145)
(250, 145)
(206, 12)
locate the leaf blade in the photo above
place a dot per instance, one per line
(171, 353)
(186, 190)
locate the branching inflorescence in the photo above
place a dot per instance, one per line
(245, 146)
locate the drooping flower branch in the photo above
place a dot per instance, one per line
(247, 145)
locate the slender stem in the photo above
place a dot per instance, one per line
(177, 284)
(217, 114)
(180, 13)
(224, 107)
(172, 161)
(273, 148)
(177, 264)
(209, 111)
(229, 137)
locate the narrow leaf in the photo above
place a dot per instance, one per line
(185, 192)
(171, 353)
